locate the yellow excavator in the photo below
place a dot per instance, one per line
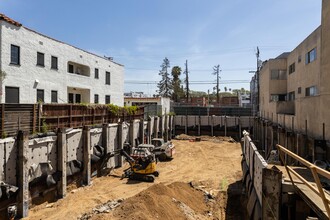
(142, 164)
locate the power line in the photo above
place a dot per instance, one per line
(190, 82)
(196, 70)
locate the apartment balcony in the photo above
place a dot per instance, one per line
(285, 107)
(79, 69)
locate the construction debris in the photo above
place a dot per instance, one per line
(103, 208)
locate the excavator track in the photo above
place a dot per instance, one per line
(142, 177)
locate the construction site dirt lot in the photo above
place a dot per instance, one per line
(203, 181)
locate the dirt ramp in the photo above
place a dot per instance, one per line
(175, 201)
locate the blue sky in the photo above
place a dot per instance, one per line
(140, 34)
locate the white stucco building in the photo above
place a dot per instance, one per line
(39, 68)
(152, 106)
(244, 100)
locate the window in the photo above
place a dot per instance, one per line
(311, 91)
(292, 68)
(278, 74)
(107, 78)
(54, 63)
(70, 68)
(40, 95)
(14, 55)
(54, 96)
(96, 73)
(291, 96)
(310, 56)
(40, 59)
(74, 98)
(78, 98)
(96, 98)
(12, 94)
(277, 97)
(70, 98)
(299, 90)
(107, 99)
(299, 58)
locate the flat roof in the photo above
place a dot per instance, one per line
(17, 24)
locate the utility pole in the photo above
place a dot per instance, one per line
(216, 70)
(187, 80)
(257, 79)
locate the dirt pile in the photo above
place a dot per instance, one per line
(175, 201)
(213, 169)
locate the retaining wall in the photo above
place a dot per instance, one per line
(213, 125)
(29, 167)
(262, 183)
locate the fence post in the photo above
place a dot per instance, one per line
(149, 131)
(87, 155)
(225, 126)
(105, 143)
(39, 116)
(141, 127)
(160, 127)
(34, 119)
(166, 118)
(199, 125)
(22, 174)
(120, 143)
(70, 116)
(239, 127)
(212, 126)
(62, 159)
(186, 125)
(156, 126)
(131, 133)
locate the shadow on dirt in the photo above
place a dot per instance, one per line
(236, 202)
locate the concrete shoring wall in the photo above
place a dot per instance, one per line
(43, 156)
(213, 125)
(259, 184)
(283, 131)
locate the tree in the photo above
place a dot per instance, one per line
(176, 84)
(226, 89)
(165, 84)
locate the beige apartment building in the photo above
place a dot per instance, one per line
(295, 95)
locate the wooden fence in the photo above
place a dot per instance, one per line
(47, 117)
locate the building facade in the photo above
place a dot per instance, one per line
(244, 100)
(41, 69)
(152, 106)
(295, 95)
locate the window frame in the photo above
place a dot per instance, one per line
(291, 96)
(96, 73)
(42, 61)
(299, 90)
(52, 66)
(51, 96)
(311, 91)
(311, 56)
(278, 74)
(96, 98)
(70, 65)
(292, 68)
(106, 99)
(7, 98)
(43, 95)
(16, 60)
(107, 78)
